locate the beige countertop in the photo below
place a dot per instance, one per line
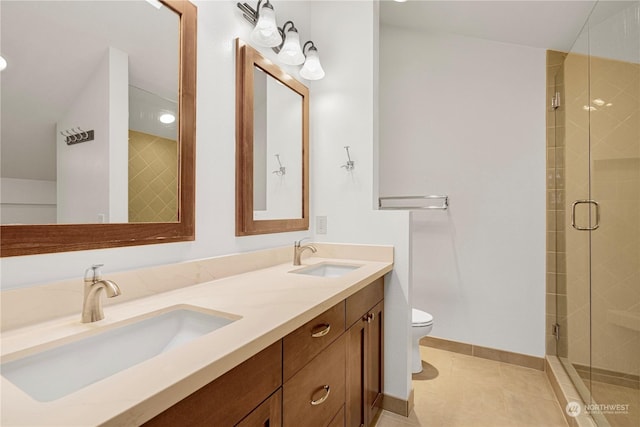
(270, 302)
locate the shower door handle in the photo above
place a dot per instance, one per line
(573, 215)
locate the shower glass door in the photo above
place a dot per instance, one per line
(600, 344)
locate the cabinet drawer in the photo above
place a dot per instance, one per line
(315, 394)
(362, 301)
(226, 400)
(303, 344)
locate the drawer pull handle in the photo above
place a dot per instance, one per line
(368, 317)
(323, 332)
(323, 398)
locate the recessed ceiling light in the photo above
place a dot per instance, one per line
(167, 118)
(400, 1)
(599, 102)
(3, 63)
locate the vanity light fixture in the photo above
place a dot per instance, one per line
(284, 41)
(290, 50)
(312, 69)
(3, 63)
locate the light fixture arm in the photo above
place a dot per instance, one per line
(304, 48)
(251, 14)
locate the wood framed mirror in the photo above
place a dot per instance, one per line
(272, 147)
(18, 238)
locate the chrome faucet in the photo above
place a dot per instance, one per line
(93, 284)
(297, 250)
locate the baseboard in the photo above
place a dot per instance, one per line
(608, 376)
(504, 356)
(397, 405)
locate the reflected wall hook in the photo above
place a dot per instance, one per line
(76, 135)
(282, 170)
(350, 165)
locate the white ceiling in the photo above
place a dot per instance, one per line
(541, 24)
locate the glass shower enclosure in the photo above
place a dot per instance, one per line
(597, 223)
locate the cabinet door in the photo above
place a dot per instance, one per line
(365, 368)
(269, 414)
(356, 336)
(374, 362)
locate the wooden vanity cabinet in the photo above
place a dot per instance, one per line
(365, 322)
(326, 373)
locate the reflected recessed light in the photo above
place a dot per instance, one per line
(155, 3)
(400, 1)
(599, 102)
(589, 108)
(167, 118)
(3, 63)
(609, 104)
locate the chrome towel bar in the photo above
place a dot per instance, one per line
(412, 202)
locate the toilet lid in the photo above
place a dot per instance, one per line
(420, 318)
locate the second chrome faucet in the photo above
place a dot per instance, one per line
(298, 249)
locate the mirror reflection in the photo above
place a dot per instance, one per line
(89, 112)
(277, 149)
(272, 147)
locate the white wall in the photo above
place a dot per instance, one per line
(465, 117)
(83, 169)
(344, 107)
(27, 201)
(91, 185)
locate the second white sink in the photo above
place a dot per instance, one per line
(53, 373)
(327, 269)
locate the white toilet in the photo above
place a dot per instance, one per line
(421, 325)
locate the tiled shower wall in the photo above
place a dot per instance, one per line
(153, 184)
(556, 277)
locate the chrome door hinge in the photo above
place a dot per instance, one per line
(556, 331)
(555, 101)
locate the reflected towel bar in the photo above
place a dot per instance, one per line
(444, 206)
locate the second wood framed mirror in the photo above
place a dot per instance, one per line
(272, 147)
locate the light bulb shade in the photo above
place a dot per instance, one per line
(291, 52)
(3, 63)
(312, 70)
(266, 32)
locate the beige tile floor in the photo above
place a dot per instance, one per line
(455, 390)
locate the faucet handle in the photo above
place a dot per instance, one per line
(93, 273)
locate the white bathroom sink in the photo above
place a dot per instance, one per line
(56, 372)
(327, 269)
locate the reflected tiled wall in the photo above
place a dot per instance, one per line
(153, 184)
